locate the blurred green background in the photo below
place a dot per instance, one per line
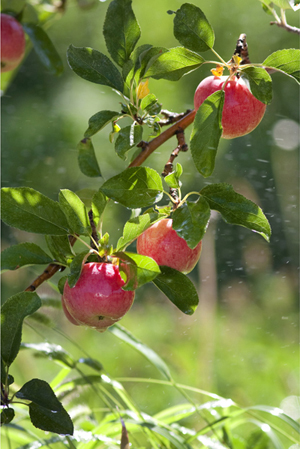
(242, 340)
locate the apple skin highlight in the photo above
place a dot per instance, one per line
(165, 246)
(242, 112)
(97, 300)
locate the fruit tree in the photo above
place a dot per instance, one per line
(98, 279)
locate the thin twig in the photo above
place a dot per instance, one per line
(287, 27)
(151, 146)
(182, 146)
(172, 117)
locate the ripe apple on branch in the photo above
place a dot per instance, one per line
(169, 227)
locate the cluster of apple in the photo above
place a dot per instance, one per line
(12, 43)
(98, 300)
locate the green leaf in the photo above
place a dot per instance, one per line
(173, 64)
(286, 61)
(206, 133)
(75, 212)
(7, 415)
(173, 178)
(191, 220)
(121, 30)
(146, 59)
(260, 83)
(44, 48)
(124, 335)
(51, 421)
(39, 392)
(99, 120)
(127, 138)
(132, 69)
(23, 254)
(92, 363)
(150, 104)
(75, 268)
(138, 269)
(60, 247)
(26, 209)
(236, 209)
(284, 4)
(192, 29)
(99, 202)
(135, 227)
(13, 312)
(87, 161)
(178, 288)
(61, 284)
(275, 411)
(94, 66)
(258, 440)
(135, 187)
(86, 196)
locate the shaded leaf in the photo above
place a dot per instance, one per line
(138, 269)
(191, 220)
(51, 421)
(287, 61)
(99, 120)
(94, 66)
(44, 48)
(60, 247)
(178, 288)
(135, 187)
(124, 335)
(121, 30)
(7, 415)
(174, 63)
(99, 202)
(87, 160)
(75, 212)
(236, 209)
(260, 83)
(75, 268)
(13, 312)
(40, 392)
(27, 209)
(258, 440)
(132, 66)
(206, 133)
(23, 254)
(92, 363)
(127, 138)
(192, 29)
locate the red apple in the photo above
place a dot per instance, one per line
(242, 112)
(165, 246)
(12, 43)
(68, 315)
(97, 300)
